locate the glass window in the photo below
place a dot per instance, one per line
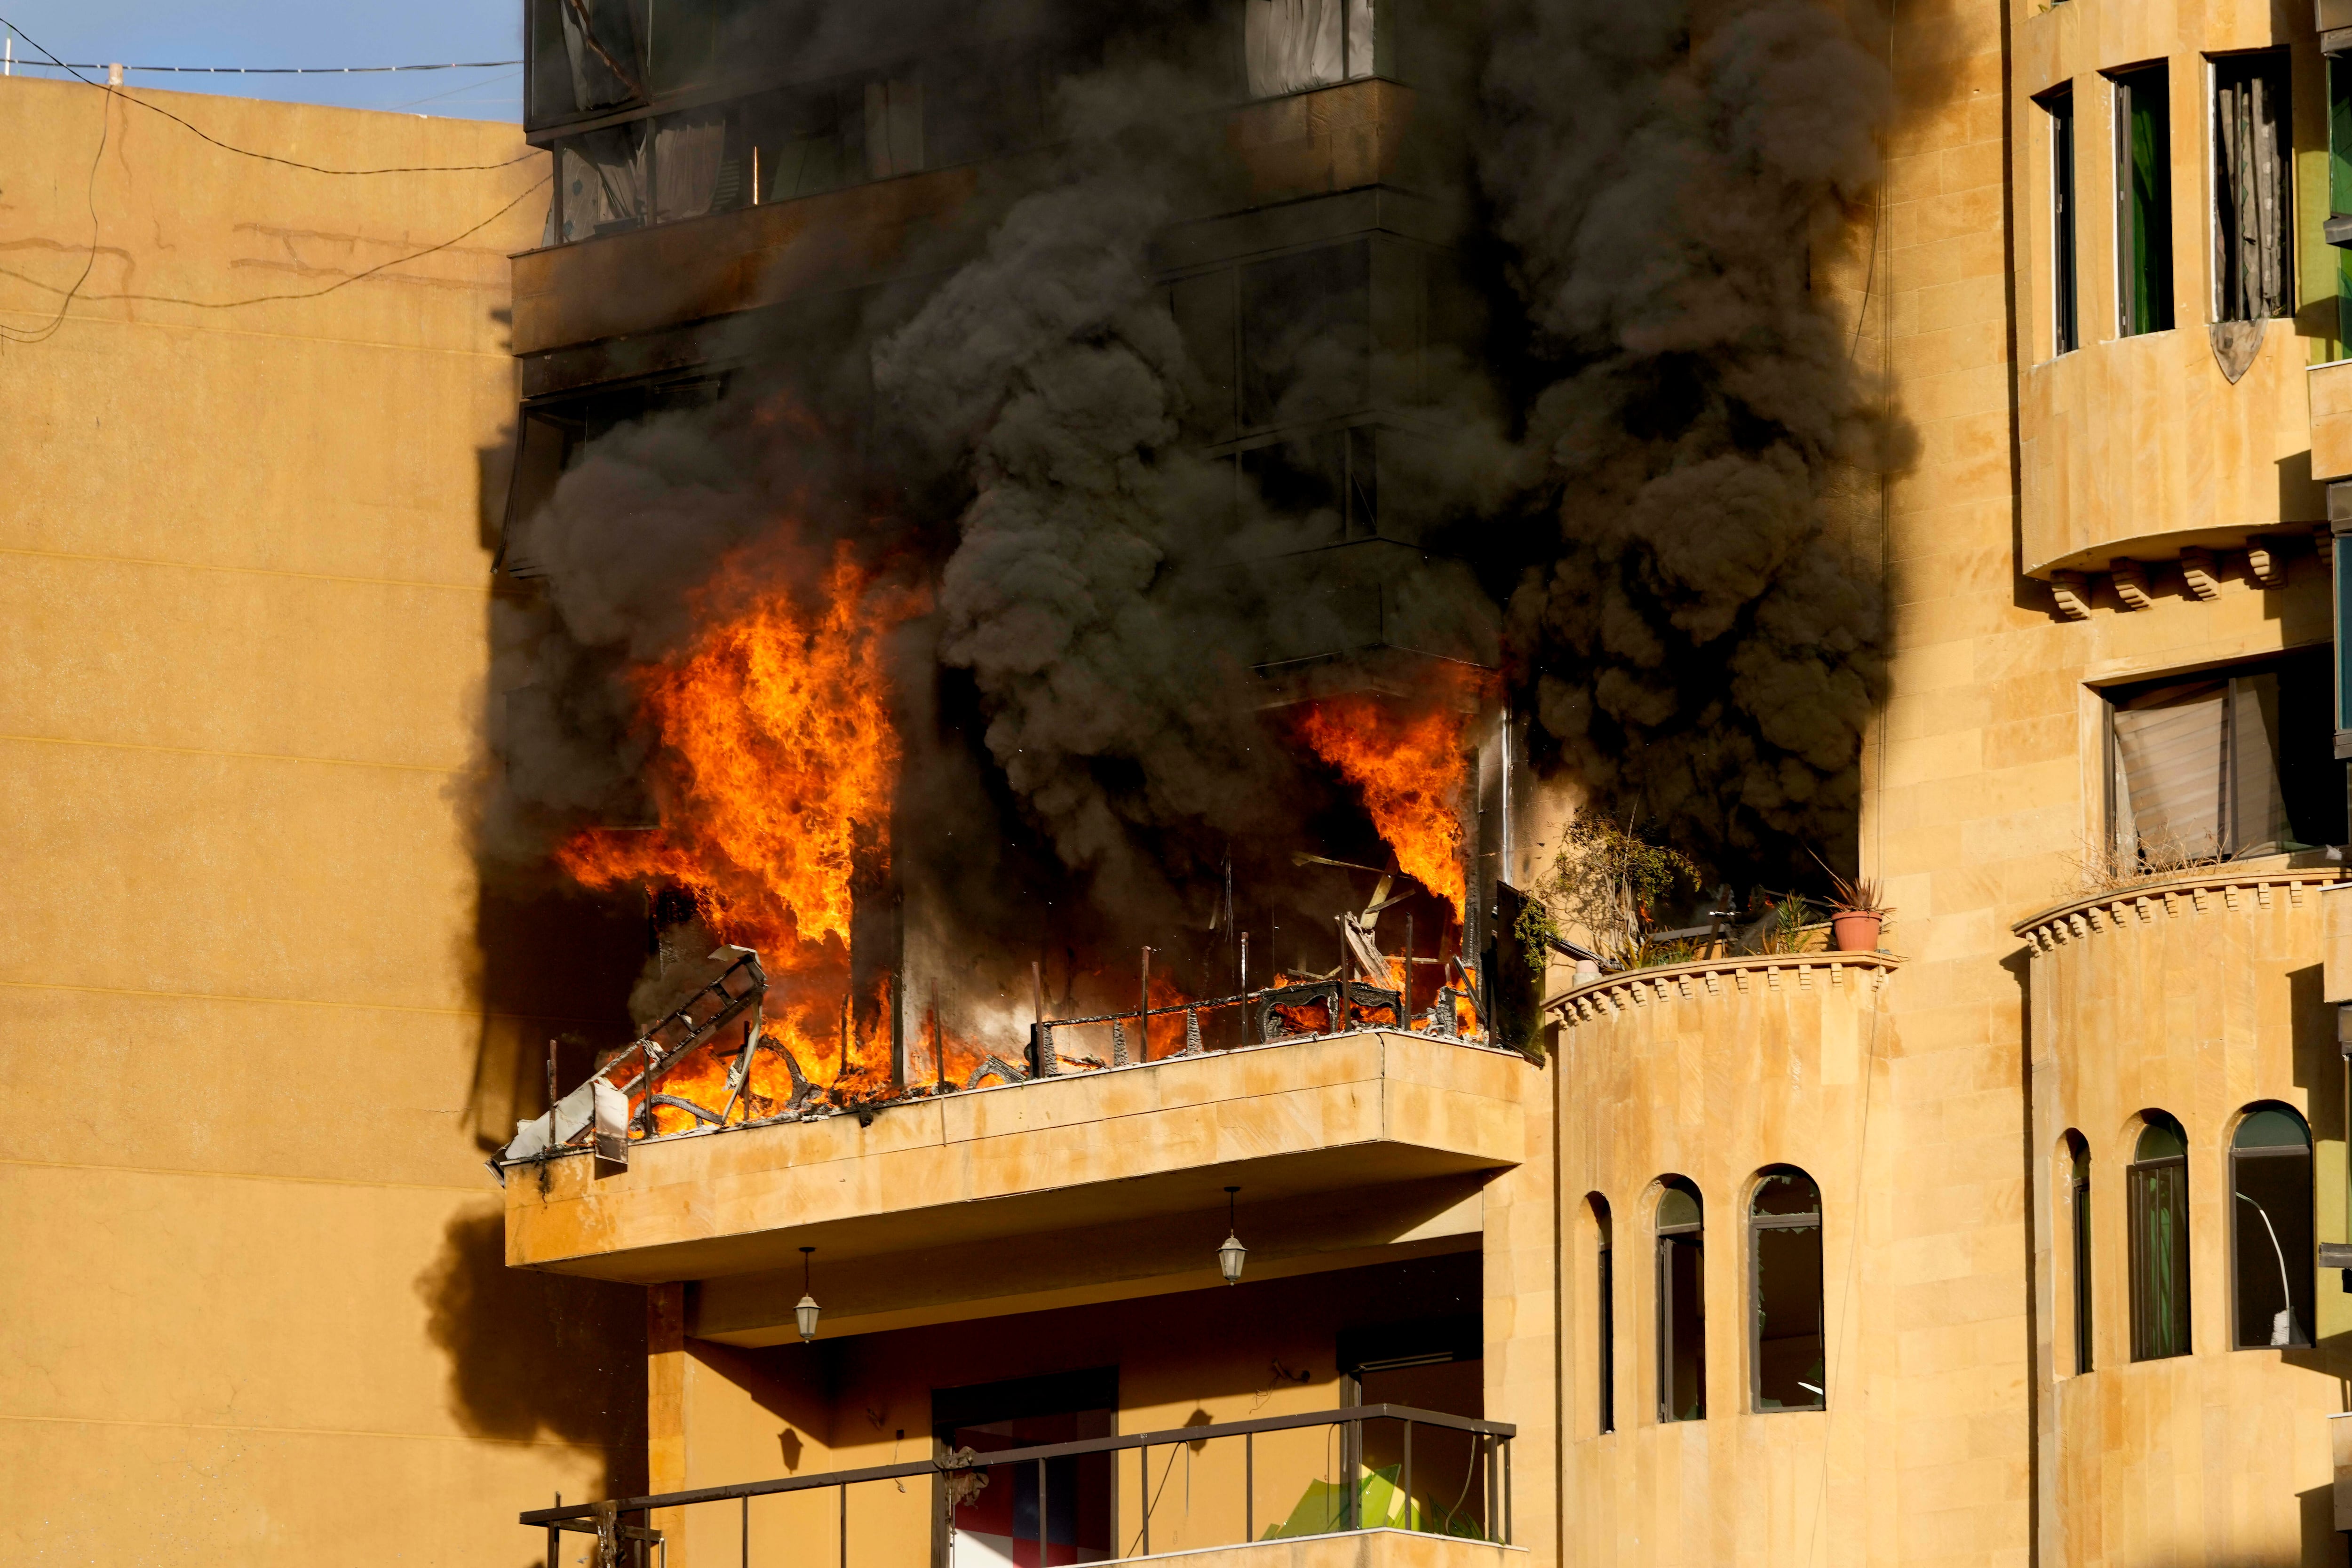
(2236, 763)
(1682, 1304)
(2078, 1206)
(1784, 1224)
(2065, 333)
(2143, 121)
(2158, 1190)
(2254, 188)
(1604, 1316)
(2271, 1233)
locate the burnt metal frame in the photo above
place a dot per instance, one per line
(1493, 1447)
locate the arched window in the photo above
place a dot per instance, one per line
(1784, 1259)
(1604, 1315)
(2157, 1193)
(2270, 1229)
(1682, 1304)
(2078, 1210)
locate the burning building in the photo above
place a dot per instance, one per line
(1329, 777)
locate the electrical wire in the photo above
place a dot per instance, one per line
(113, 90)
(89, 196)
(306, 294)
(261, 71)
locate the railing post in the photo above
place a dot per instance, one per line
(747, 1531)
(1249, 1489)
(1350, 1461)
(1044, 1534)
(1486, 1445)
(1505, 1447)
(1406, 1475)
(1143, 1479)
(843, 1530)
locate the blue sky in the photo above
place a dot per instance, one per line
(294, 33)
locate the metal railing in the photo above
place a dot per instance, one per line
(1489, 1465)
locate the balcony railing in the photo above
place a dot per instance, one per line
(1380, 1498)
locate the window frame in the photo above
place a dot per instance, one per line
(2078, 1207)
(2142, 1177)
(1757, 1225)
(1665, 1239)
(1604, 1321)
(2058, 108)
(2289, 221)
(2127, 85)
(2299, 1333)
(2288, 666)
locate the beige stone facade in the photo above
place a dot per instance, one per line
(251, 1045)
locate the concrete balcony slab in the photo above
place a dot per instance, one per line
(1327, 1120)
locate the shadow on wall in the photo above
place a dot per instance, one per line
(540, 1356)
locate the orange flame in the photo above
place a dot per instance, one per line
(773, 773)
(776, 766)
(1409, 768)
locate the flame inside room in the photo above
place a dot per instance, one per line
(1120, 611)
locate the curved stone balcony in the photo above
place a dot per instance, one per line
(2113, 522)
(2197, 997)
(1614, 993)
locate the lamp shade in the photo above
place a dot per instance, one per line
(806, 1311)
(1229, 1257)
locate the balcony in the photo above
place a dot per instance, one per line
(2101, 501)
(1430, 1491)
(1036, 1192)
(600, 290)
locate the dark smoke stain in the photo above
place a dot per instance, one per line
(540, 1356)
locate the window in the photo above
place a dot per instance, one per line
(2157, 1188)
(2078, 1208)
(2065, 333)
(1605, 1317)
(1784, 1234)
(2237, 762)
(1000, 1523)
(2270, 1229)
(1682, 1304)
(2143, 121)
(1292, 45)
(2254, 188)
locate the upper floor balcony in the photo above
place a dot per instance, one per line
(1028, 1193)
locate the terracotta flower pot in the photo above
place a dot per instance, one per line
(1854, 932)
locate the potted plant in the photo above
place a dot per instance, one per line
(1858, 911)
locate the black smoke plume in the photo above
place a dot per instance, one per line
(1700, 638)
(1640, 460)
